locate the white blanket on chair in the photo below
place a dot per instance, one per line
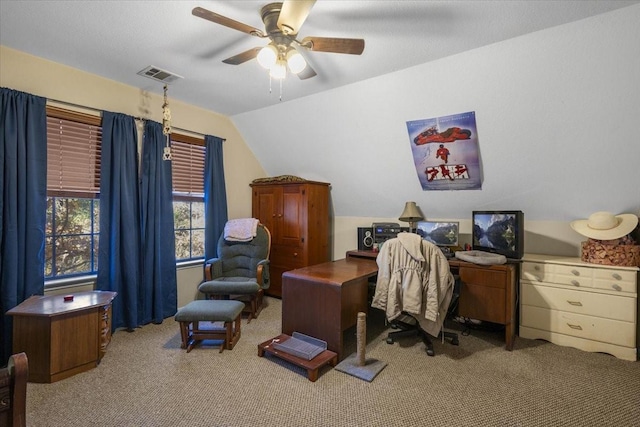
(241, 230)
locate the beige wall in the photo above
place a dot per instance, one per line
(55, 81)
(51, 80)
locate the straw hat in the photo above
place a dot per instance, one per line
(605, 226)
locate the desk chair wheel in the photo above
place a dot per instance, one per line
(451, 335)
(430, 351)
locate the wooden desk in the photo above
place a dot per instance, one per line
(488, 292)
(323, 300)
(61, 338)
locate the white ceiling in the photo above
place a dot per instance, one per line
(116, 39)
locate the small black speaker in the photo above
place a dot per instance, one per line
(365, 238)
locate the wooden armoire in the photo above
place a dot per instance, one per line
(296, 212)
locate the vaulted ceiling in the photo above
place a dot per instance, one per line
(117, 39)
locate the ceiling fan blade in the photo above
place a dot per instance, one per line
(293, 15)
(227, 22)
(307, 73)
(335, 45)
(243, 57)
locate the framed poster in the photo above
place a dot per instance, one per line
(445, 152)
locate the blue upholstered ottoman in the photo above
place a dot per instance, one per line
(227, 311)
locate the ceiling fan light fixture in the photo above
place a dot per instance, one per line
(278, 70)
(295, 61)
(267, 56)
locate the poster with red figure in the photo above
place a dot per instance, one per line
(445, 152)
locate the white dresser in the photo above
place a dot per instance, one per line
(573, 303)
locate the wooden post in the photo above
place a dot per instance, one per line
(361, 336)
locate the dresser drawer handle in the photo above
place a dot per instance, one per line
(576, 303)
(575, 272)
(616, 287)
(575, 283)
(616, 276)
(537, 268)
(577, 327)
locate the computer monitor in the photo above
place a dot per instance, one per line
(440, 233)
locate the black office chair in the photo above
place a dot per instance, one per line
(408, 254)
(409, 326)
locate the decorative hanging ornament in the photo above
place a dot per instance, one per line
(166, 127)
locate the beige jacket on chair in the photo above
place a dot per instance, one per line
(414, 277)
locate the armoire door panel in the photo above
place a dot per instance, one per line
(292, 204)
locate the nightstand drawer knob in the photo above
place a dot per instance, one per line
(616, 276)
(576, 303)
(575, 272)
(616, 287)
(578, 327)
(575, 283)
(537, 268)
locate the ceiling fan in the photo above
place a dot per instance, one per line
(282, 23)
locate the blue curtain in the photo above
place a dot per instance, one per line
(23, 203)
(159, 288)
(119, 255)
(215, 195)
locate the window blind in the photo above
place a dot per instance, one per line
(74, 141)
(187, 167)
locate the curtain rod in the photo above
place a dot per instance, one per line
(71, 104)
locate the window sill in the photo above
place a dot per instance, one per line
(69, 282)
(190, 263)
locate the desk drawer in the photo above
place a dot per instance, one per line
(483, 303)
(581, 326)
(483, 277)
(572, 301)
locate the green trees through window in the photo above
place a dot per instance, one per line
(74, 142)
(71, 237)
(188, 219)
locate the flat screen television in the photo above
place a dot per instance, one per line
(439, 233)
(500, 232)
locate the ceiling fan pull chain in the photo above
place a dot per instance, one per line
(281, 89)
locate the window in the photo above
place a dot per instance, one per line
(188, 196)
(74, 141)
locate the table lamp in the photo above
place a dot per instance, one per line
(411, 214)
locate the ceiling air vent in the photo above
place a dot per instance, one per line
(156, 73)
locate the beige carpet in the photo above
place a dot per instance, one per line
(145, 379)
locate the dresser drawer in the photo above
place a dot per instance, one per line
(573, 301)
(536, 272)
(579, 277)
(615, 280)
(579, 325)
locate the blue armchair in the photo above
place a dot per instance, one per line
(241, 271)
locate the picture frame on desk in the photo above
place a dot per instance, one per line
(441, 233)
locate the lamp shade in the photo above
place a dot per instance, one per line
(278, 70)
(411, 213)
(295, 61)
(267, 56)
